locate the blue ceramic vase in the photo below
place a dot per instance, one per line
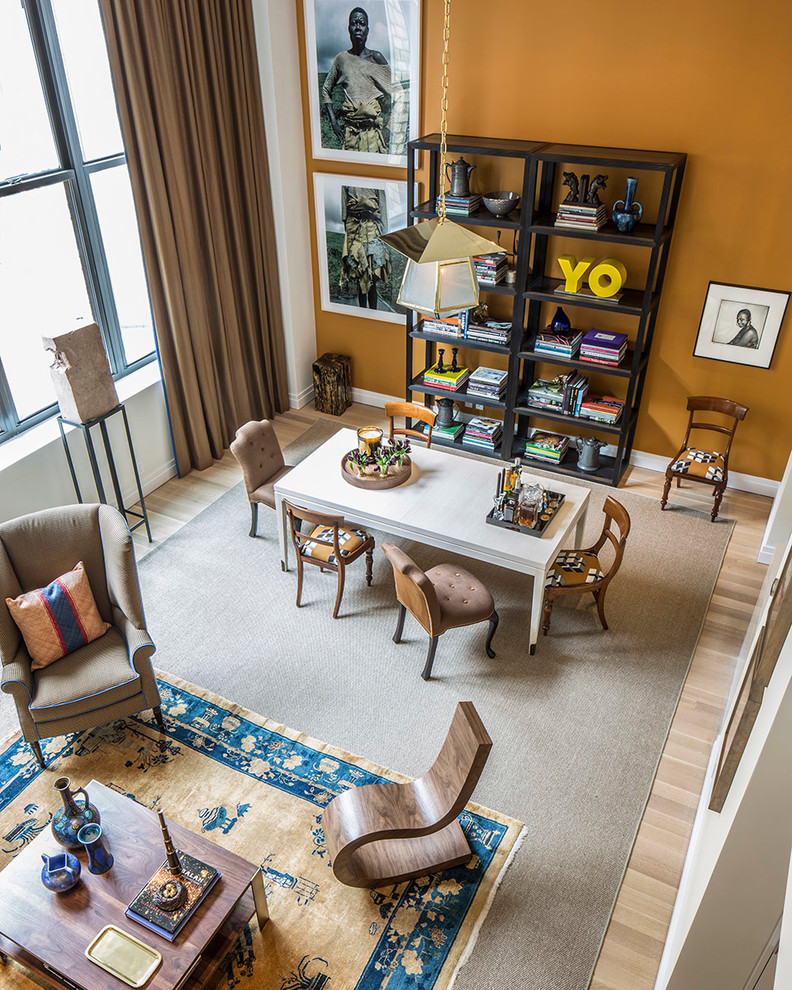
(69, 819)
(626, 212)
(560, 321)
(99, 859)
(61, 872)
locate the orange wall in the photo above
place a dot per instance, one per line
(709, 79)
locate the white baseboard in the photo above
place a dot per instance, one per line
(150, 482)
(299, 399)
(375, 399)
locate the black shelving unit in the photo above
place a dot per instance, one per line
(534, 288)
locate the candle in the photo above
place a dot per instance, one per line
(369, 439)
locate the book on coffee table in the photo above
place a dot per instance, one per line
(197, 877)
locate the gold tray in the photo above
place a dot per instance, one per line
(124, 956)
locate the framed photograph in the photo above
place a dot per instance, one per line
(363, 79)
(740, 324)
(358, 274)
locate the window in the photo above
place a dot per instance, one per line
(69, 242)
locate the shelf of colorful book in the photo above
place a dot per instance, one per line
(631, 302)
(460, 395)
(522, 408)
(478, 218)
(568, 465)
(463, 342)
(623, 370)
(642, 235)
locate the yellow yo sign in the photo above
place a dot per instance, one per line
(605, 279)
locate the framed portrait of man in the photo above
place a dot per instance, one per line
(363, 79)
(358, 274)
(740, 324)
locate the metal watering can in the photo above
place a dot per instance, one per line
(460, 177)
(588, 450)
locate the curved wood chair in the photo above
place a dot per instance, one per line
(380, 834)
(329, 544)
(447, 597)
(576, 572)
(411, 410)
(709, 467)
(258, 452)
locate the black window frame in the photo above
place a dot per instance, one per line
(74, 173)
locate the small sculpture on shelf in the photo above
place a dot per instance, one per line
(454, 366)
(571, 180)
(598, 182)
(440, 369)
(582, 208)
(171, 894)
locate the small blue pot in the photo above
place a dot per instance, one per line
(61, 872)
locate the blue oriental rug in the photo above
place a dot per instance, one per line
(259, 789)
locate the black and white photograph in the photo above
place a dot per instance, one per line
(358, 274)
(363, 79)
(740, 324)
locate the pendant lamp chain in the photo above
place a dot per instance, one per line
(441, 212)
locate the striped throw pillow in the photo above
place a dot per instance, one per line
(58, 619)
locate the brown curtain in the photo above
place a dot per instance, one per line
(187, 85)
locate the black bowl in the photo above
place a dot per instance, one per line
(501, 203)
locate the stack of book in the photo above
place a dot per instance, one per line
(446, 379)
(547, 395)
(580, 216)
(559, 343)
(546, 446)
(450, 326)
(462, 205)
(490, 269)
(491, 332)
(450, 433)
(603, 347)
(483, 433)
(488, 383)
(197, 877)
(602, 408)
(574, 393)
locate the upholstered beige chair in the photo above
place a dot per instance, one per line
(446, 597)
(106, 679)
(256, 448)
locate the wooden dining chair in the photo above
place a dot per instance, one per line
(411, 410)
(709, 467)
(329, 544)
(446, 597)
(258, 452)
(380, 834)
(575, 572)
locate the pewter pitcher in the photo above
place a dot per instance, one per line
(460, 177)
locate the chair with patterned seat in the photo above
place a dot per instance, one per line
(709, 467)
(576, 572)
(411, 410)
(329, 544)
(258, 452)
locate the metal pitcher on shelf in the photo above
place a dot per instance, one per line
(588, 450)
(460, 177)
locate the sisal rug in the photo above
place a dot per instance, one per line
(258, 789)
(578, 728)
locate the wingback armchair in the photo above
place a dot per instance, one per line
(106, 679)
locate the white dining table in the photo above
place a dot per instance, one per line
(443, 504)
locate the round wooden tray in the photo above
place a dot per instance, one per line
(396, 475)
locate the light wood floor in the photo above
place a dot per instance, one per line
(633, 945)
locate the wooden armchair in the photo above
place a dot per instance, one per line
(380, 834)
(411, 410)
(575, 572)
(256, 448)
(329, 544)
(446, 597)
(709, 467)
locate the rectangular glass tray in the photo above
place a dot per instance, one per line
(123, 955)
(541, 524)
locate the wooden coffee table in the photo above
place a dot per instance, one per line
(48, 933)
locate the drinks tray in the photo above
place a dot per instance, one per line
(555, 501)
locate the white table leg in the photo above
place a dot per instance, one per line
(580, 527)
(537, 600)
(283, 531)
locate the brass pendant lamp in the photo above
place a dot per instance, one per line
(439, 279)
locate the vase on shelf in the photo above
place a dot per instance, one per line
(69, 819)
(627, 213)
(560, 321)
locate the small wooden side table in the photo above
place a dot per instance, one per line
(48, 933)
(142, 516)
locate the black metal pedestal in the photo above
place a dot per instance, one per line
(142, 516)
